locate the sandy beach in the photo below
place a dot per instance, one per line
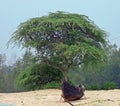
(51, 97)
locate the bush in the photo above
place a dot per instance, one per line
(38, 76)
(51, 85)
(92, 87)
(109, 85)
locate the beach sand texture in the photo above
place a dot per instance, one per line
(51, 97)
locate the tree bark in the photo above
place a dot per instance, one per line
(66, 75)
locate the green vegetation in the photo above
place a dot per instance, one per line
(52, 85)
(109, 85)
(66, 45)
(39, 76)
(101, 76)
(62, 40)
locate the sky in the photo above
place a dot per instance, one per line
(105, 14)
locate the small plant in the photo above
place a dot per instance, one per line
(52, 85)
(109, 85)
(92, 87)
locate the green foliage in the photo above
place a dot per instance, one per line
(2, 60)
(103, 86)
(22, 63)
(37, 76)
(99, 76)
(62, 40)
(114, 66)
(92, 87)
(109, 85)
(3, 73)
(51, 85)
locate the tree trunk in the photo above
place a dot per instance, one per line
(66, 75)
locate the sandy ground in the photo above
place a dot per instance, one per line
(51, 97)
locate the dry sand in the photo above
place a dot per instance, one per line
(51, 97)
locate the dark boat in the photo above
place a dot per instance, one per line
(70, 92)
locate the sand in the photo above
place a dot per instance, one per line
(51, 97)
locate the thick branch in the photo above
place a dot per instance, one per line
(53, 65)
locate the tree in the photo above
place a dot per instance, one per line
(2, 72)
(62, 40)
(22, 63)
(113, 66)
(2, 60)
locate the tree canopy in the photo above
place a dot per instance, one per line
(62, 40)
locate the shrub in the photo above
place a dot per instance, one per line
(36, 76)
(53, 84)
(109, 85)
(92, 87)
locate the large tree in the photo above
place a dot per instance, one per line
(62, 40)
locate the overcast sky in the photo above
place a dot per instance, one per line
(105, 13)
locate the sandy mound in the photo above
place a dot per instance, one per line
(51, 97)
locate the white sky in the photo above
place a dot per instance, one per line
(105, 13)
